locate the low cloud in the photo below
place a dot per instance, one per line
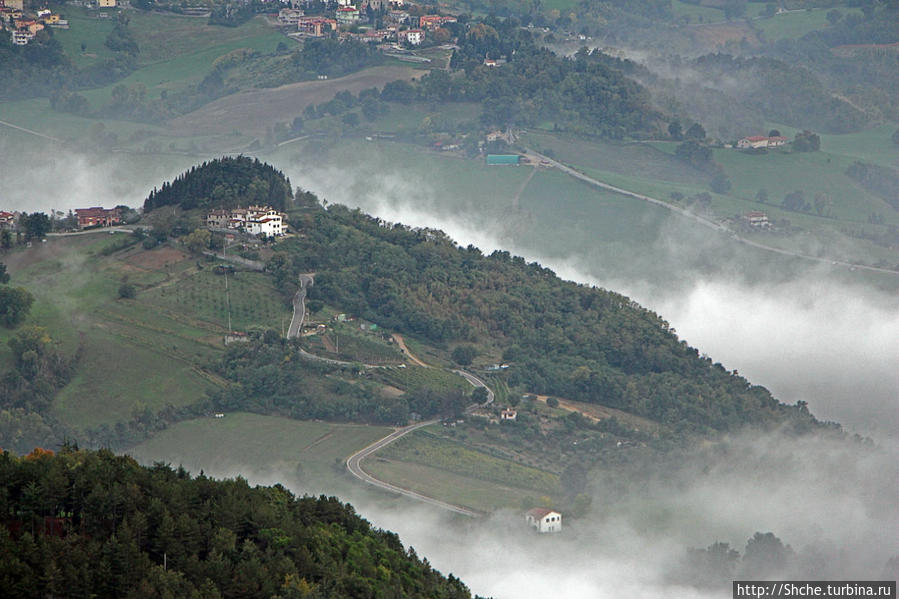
(40, 177)
(831, 500)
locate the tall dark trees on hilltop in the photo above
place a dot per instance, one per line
(224, 183)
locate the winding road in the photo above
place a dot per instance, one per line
(354, 465)
(299, 307)
(703, 220)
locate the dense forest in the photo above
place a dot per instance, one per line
(586, 94)
(92, 524)
(560, 338)
(224, 183)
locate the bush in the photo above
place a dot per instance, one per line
(463, 355)
(127, 291)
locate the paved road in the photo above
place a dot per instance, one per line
(704, 221)
(354, 465)
(476, 382)
(36, 133)
(299, 307)
(354, 462)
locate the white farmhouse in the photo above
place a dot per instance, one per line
(544, 520)
(254, 220)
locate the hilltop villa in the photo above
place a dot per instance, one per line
(253, 220)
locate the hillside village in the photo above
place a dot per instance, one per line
(23, 24)
(394, 23)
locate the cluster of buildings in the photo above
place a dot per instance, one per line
(8, 220)
(757, 220)
(263, 221)
(98, 217)
(22, 25)
(397, 24)
(760, 141)
(83, 218)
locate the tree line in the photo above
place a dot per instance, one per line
(84, 523)
(560, 338)
(224, 183)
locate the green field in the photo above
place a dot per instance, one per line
(415, 378)
(308, 454)
(781, 172)
(84, 27)
(423, 447)
(254, 301)
(793, 25)
(175, 51)
(134, 354)
(696, 13)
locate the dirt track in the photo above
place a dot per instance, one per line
(252, 111)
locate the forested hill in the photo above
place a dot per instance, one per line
(92, 524)
(224, 183)
(560, 338)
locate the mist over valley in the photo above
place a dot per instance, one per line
(630, 264)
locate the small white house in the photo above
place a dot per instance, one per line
(509, 414)
(544, 520)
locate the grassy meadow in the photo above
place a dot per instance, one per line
(796, 23)
(146, 352)
(310, 453)
(455, 472)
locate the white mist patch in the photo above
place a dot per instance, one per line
(42, 178)
(833, 346)
(831, 500)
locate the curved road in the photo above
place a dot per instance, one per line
(476, 382)
(299, 307)
(701, 219)
(354, 465)
(354, 462)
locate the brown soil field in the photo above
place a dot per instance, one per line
(252, 111)
(157, 259)
(596, 413)
(718, 34)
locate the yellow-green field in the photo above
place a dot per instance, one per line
(306, 453)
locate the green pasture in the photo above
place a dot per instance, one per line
(307, 454)
(182, 54)
(411, 118)
(362, 346)
(37, 114)
(380, 167)
(696, 12)
(572, 214)
(141, 353)
(563, 6)
(638, 160)
(873, 145)
(781, 172)
(448, 486)
(255, 304)
(121, 372)
(793, 25)
(85, 27)
(423, 447)
(413, 378)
